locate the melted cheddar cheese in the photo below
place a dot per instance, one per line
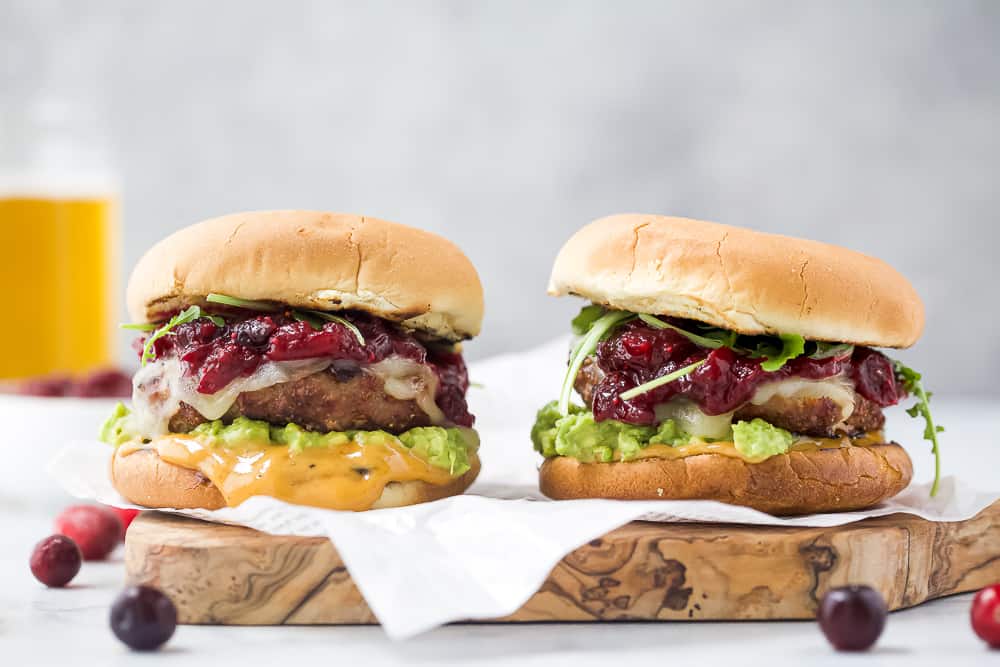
(350, 476)
(804, 444)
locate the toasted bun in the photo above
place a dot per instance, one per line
(312, 259)
(739, 279)
(145, 479)
(826, 480)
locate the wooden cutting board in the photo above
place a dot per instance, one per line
(641, 571)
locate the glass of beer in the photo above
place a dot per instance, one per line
(59, 244)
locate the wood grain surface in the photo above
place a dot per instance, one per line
(641, 571)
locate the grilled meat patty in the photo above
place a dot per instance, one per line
(323, 401)
(816, 417)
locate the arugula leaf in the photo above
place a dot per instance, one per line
(311, 317)
(585, 319)
(726, 339)
(598, 329)
(911, 381)
(792, 345)
(660, 381)
(183, 317)
(247, 304)
(150, 326)
(315, 322)
(339, 320)
(826, 350)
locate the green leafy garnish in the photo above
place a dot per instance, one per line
(339, 320)
(247, 304)
(140, 326)
(727, 339)
(792, 345)
(911, 381)
(183, 317)
(827, 350)
(585, 319)
(311, 317)
(598, 329)
(315, 322)
(660, 381)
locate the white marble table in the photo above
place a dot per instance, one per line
(70, 627)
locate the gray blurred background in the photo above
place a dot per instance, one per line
(506, 126)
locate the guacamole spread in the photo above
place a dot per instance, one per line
(446, 448)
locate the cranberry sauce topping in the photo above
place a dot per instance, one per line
(218, 355)
(637, 353)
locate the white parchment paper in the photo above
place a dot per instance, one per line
(482, 555)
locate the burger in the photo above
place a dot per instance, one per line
(311, 357)
(720, 363)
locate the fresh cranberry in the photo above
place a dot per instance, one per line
(985, 615)
(125, 516)
(143, 618)
(51, 386)
(55, 561)
(96, 530)
(874, 377)
(852, 617)
(106, 383)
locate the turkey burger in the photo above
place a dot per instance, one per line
(311, 357)
(720, 363)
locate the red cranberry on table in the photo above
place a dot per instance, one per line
(48, 386)
(852, 617)
(125, 516)
(55, 561)
(143, 618)
(985, 615)
(96, 530)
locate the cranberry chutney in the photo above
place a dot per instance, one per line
(636, 353)
(216, 355)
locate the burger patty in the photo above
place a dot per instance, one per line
(319, 402)
(817, 417)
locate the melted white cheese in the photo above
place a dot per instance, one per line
(693, 421)
(159, 388)
(407, 380)
(838, 389)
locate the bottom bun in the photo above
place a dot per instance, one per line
(143, 478)
(825, 480)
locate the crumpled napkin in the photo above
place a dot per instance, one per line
(482, 555)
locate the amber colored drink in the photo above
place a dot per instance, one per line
(58, 259)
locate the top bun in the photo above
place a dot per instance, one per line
(312, 259)
(739, 279)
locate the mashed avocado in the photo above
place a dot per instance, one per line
(446, 448)
(115, 429)
(579, 436)
(758, 439)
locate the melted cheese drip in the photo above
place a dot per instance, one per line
(804, 444)
(351, 476)
(407, 380)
